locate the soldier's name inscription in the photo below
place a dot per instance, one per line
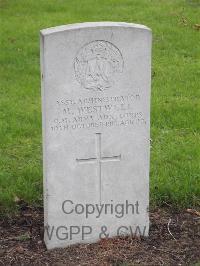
(98, 112)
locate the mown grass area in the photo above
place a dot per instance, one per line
(175, 116)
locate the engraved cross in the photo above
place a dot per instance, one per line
(99, 159)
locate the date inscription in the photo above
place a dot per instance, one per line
(98, 112)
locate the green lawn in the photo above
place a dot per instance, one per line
(175, 113)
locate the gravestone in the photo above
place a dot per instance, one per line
(96, 131)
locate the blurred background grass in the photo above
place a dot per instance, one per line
(175, 103)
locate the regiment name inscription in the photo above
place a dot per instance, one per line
(98, 112)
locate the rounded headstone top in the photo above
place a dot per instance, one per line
(92, 25)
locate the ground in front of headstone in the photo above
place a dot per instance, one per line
(174, 240)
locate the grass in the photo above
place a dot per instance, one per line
(175, 115)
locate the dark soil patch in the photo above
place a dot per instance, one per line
(174, 240)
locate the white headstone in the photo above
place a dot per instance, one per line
(96, 131)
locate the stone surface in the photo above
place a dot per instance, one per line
(96, 124)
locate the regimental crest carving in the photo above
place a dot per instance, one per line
(97, 65)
